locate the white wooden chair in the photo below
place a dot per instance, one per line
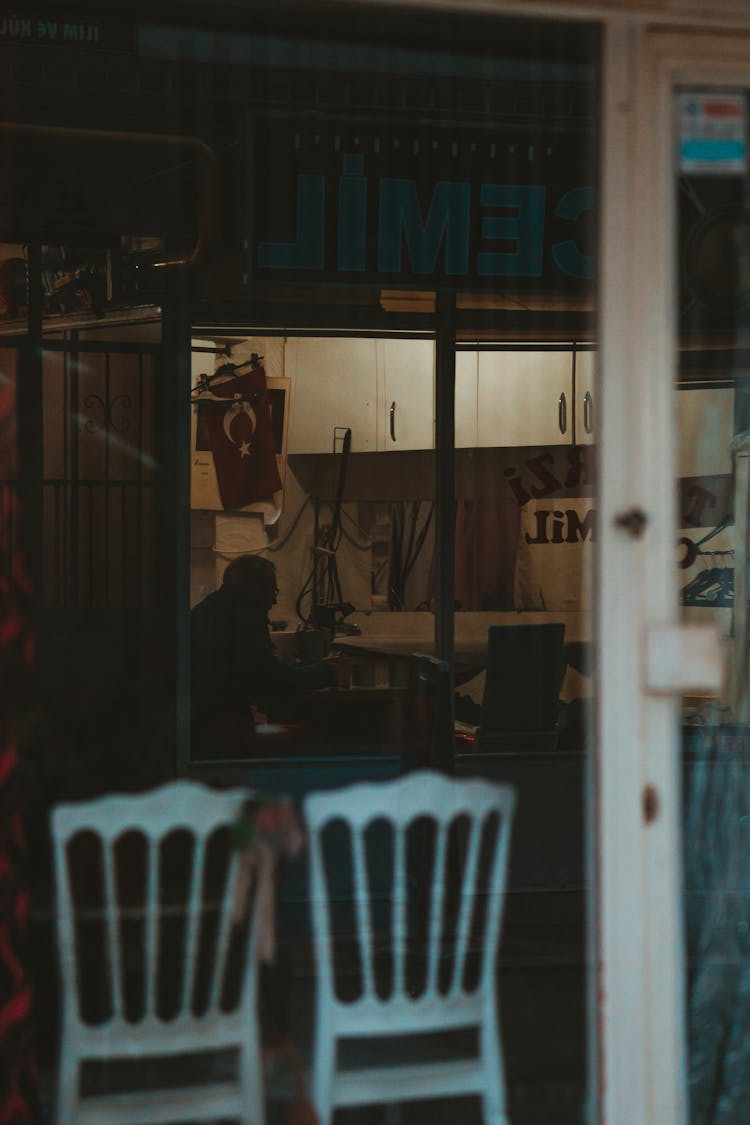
(445, 844)
(156, 875)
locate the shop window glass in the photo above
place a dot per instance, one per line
(298, 413)
(712, 540)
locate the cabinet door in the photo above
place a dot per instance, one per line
(407, 413)
(467, 374)
(706, 427)
(334, 384)
(525, 398)
(585, 404)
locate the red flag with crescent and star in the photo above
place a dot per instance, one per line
(238, 421)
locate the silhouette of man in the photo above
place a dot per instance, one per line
(233, 662)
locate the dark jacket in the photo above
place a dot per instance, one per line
(233, 662)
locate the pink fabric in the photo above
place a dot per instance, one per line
(487, 535)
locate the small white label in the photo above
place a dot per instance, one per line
(713, 134)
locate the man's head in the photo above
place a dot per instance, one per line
(252, 577)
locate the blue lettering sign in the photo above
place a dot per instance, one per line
(566, 255)
(308, 252)
(525, 229)
(352, 213)
(352, 223)
(447, 221)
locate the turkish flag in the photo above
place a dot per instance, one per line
(241, 439)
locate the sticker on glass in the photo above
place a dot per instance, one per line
(713, 134)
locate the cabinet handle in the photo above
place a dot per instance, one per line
(562, 412)
(588, 412)
(392, 413)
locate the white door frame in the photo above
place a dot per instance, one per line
(642, 1074)
(638, 938)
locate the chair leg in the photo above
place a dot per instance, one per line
(393, 1115)
(494, 1106)
(66, 1108)
(251, 1084)
(323, 1074)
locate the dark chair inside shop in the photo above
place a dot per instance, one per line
(429, 715)
(520, 704)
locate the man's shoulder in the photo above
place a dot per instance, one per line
(209, 607)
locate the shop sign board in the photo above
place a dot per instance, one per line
(61, 28)
(420, 204)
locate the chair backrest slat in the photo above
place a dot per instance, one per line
(437, 906)
(400, 909)
(114, 943)
(402, 803)
(362, 905)
(319, 904)
(496, 899)
(466, 903)
(219, 961)
(66, 930)
(151, 926)
(194, 904)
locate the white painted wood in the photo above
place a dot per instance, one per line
(683, 658)
(400, 803)
(640, 940)
(621, 1043)
(334, 383)
(519, 398)
(467, 387)
(411, 1082)
(671, 61)
(191, 808)
(174, 1106)
(705, 427)
(408, 386)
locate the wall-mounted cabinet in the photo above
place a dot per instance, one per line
(518, 398)
(383, 389)
(524, 398)
(335, 384)
(406, 406)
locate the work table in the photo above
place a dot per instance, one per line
(399, 634)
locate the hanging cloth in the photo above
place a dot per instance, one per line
(238, 420)
(487, 532)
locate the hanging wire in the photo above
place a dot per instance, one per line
(326, 544)
(403, 559)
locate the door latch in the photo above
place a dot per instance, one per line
(651, 804)
(633, 521)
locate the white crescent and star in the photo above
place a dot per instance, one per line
(234, 410)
